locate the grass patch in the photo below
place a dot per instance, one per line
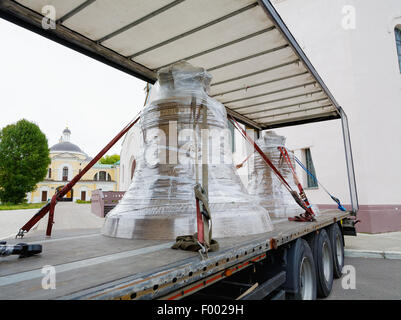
(9, 206)
(81, 201)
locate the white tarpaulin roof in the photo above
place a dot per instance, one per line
(259, 71)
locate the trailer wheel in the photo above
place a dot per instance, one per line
(337, 244)
(323, 255)
(301, 274)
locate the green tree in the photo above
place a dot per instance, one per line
(110, 159)
(24, 158)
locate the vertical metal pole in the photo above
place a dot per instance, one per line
(255, 134)
(205, 153)
(199, 218)
(205, 171)
(350, 163)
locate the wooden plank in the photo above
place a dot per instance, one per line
(266, 288)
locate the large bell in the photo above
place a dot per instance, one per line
(160, 202)
(264, 184)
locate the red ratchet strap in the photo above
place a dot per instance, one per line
(308, 215)
(245, 160)
(199, 223)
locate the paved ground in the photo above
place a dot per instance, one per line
(12, 220)
(382, 241)
(384, 245)
(375, 279)
(68, 215)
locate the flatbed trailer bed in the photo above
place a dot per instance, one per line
(89, 265)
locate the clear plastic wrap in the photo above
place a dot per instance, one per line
(264, 184)
(160, 202)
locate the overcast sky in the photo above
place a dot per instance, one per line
(54, 86)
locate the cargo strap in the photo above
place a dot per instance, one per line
(190, 243)
(204, 218)
(307, 216)
(202, 240)
(336, 200)
(240, 165)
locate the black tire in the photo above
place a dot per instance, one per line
(337, 244)
(300, 272)
(323, 256)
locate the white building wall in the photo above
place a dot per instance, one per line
(360, 68)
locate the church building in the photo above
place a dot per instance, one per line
(67, 160)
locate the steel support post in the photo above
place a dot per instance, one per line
(350, 163)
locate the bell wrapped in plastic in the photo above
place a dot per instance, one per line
(160, 202)
(264, 184)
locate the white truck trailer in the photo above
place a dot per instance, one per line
(264, 80)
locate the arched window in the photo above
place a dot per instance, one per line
(50, 173)
(310, 182)
(133, 166)
(108, 177)
(102, 175)
(65, 174)
(397, 32)
(95, 177)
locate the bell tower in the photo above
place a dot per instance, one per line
(66, 135)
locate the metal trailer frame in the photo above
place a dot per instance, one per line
(186, 277)
(271, 11)
(350, 163)
(26, 18)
